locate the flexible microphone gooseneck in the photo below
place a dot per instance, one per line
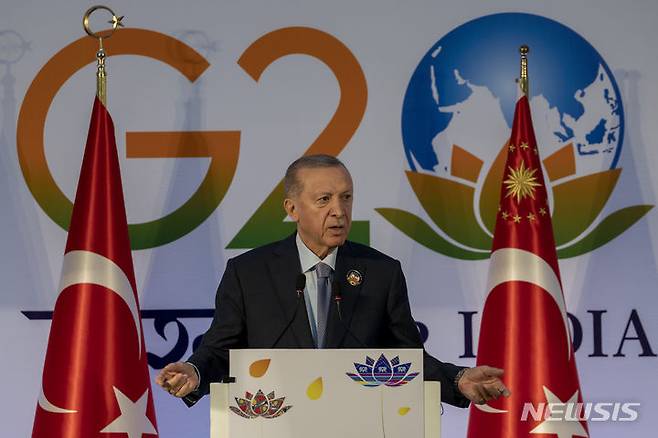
(300, 284)
(338, 298)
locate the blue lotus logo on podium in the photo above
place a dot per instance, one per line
(382, 372)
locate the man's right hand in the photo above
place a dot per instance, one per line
(178, 379)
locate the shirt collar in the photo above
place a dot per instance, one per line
(308, 259)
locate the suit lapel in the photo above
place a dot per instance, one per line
(284, 269)
(346, 261)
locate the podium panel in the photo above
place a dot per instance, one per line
(326, 393)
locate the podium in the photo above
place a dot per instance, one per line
(325, 393)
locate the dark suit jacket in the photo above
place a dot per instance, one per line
(256, 299)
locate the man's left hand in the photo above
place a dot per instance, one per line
(481, 384)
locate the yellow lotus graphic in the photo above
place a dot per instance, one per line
(469, 222)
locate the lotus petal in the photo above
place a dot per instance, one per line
(490, 195)
(579, 201)
(275, 405)
(243, 405)
(399, 372)
(314, 390)
(382, 370)
(464, 165)
(368, 381)
(561, 163)
(357, 378)
(280, 412)
(259, 368)
(609, 228)
(364, 371)
(237, 411)
(365, 374)
(418, 230)
(408, 378)
(260, 404)
(450, 205)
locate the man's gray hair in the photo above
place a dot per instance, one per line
(291, 184)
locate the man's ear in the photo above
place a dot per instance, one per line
(289, 206)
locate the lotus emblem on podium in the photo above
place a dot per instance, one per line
(259, 405)
(382, 372)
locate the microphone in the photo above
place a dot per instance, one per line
(338, 298)
(300, 284)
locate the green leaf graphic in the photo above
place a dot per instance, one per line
(579, 202)
(609, 228)
(421, 232)
(450, 205)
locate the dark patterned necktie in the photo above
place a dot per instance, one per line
(323, 271)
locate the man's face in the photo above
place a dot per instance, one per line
(322, 208)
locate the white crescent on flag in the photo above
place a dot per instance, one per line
(86, 267)
(512, 264)
(45, 404)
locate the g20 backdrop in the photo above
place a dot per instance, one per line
(212, 100)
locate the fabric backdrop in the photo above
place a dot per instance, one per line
(213, 99)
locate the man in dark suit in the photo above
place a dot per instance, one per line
(257, 305)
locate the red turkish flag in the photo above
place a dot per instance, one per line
(524, 326)
(95, 378)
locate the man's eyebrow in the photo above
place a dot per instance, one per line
(330, 193)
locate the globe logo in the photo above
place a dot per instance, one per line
(457, 117)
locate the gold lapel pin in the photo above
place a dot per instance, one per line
(354, 277)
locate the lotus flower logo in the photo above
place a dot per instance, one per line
(382, 372)
(259, 405)
(577, 203)
(461, 97)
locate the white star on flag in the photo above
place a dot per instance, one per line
(559, 425)
(133, 420)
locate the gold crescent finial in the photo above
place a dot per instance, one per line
(101, 76)
(115, 22)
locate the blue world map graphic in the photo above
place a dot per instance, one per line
(463, 92)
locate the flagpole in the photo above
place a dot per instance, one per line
(95, 375)
(521, 305)
(523, 80)
(101, 74)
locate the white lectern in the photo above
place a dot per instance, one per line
(324, 394)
